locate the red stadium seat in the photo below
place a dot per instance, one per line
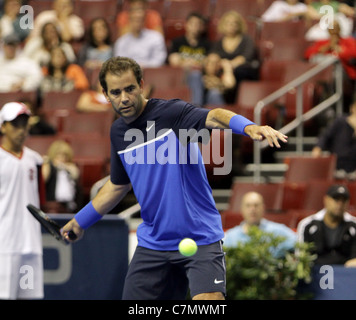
(6, 97)
(273, 70)
(315, 192)
(92, 169)
(164, 77)
(60, 100)
(180, 9)
(289, 219)
(250, 93)
(88, 146)
(293, 196)
(94, 123)
(305, 169)
(351, 185)
(181, 92)
(39, 6)
(158, 5)
(40, 143)
(245, 8)
(282, 30)
(282, 49)
(230, 219)
(88, 10)
(271, 192)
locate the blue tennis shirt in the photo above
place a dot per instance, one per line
(167, 174)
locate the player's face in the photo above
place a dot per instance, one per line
(16, 132)
(125, 95)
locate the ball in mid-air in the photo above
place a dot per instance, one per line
(187, 247)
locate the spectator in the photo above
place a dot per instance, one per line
(60, 75)
(332, 229)
(285, 10)
(152, 18)
(39, 48)
(37, 122)
(145, 46)
(252, 210)
(18, 73)
(344, 49)
(189, 51)
(71, 26)
(10, 20)
(210, 86)
(239, 48)
(341, 12)
(93, 100)
(98, 47)
(61, 175)
(20, 233)
(339, 138)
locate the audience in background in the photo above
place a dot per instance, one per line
(145, 46)
(60, 75)
(252, 210)
(236, 46)
(341, 12)
(10, 20)
(38, 124)
(61, 175)
(18, 73)
(213, 83)
(93, 100)
(189, 50)
(332, 230)
(339, 138)
(345, 50)
(152, 18)
(70, 26)
(39, 48)
(285, 10)
(98, 46)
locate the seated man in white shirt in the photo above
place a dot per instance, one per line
(145, 46)
(252, 210)
(285, 10)
(18, 73)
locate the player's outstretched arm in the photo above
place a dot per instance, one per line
(226, 119)
(106, 199)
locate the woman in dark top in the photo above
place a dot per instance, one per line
(238, 48)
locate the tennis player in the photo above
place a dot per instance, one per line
(176, 199)
(21, 266)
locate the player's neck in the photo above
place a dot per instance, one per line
(11, 148)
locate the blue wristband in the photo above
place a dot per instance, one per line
(238, 123)
(87, 216)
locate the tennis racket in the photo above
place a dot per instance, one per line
(51, 226)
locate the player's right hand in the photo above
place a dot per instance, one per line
(73, 226)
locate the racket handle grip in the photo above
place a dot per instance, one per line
(72, 235)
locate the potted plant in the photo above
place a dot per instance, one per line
(253, 272)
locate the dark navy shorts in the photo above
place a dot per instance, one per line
(167, 275)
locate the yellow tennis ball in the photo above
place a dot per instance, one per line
(187, 247)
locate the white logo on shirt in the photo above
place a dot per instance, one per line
(218, 281)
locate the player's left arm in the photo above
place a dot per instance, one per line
(225, 119)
